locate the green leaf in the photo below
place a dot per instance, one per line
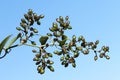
(43, 39)
(13, 40)
(2, 44)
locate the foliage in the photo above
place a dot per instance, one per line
(68, 49)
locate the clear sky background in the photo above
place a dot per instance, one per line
(94, 19)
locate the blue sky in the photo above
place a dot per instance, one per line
(94, 19)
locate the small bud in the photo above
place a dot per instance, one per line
(81, 38)
(67, 57)
(101, 55)
(79, 48)
(50, 68)
(35, 17)
(23, 20)
(69, 27)
(38, 23)
(23, 41)
(97, 42)
(26, 16)
(63, 62)
(45, 56)
(42, 16)
(23, 25)
(35, 30)
(66, 64)
(49, 34)
(31, 21)
(93, 46)
(67, 23)
(104, 48)
(67, 17)
(86, 52)
(38, 55)
(107, 48)
(18, 28)
(76, 55)
(71, 60)
(33, 43)
(34, 51)
(50, 55)
(84, 44)
(57, 20)
(95, 58)
(107, 57)
(62, 58)
(56, 52)
(55, 25)
(35, 59)
(52, 29)
(73, 37)
(50, 62)
(60, 18)
(30, 12)
(31, 34)
(40, 70)
(38, 62)
(73, 65)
